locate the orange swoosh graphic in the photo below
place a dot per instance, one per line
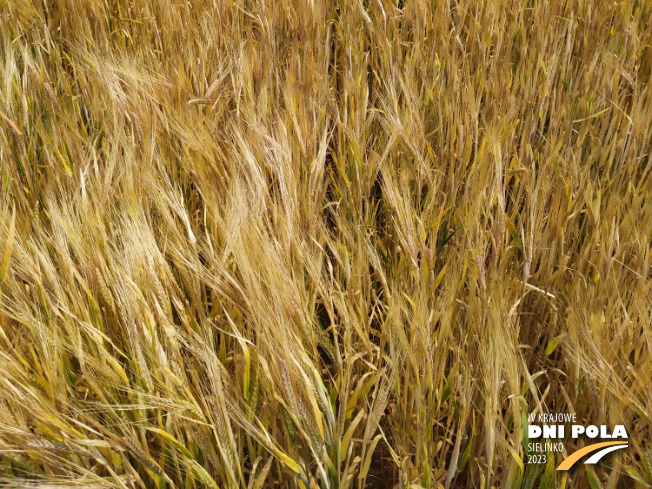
(569, 461)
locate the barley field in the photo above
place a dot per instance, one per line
(323, 244)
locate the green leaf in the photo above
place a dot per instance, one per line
(548, 481)
(291, 464)
(177, 444)
(593, 479)
(552, 344)
(467, 451)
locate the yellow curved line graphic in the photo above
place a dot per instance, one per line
(569, 461)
